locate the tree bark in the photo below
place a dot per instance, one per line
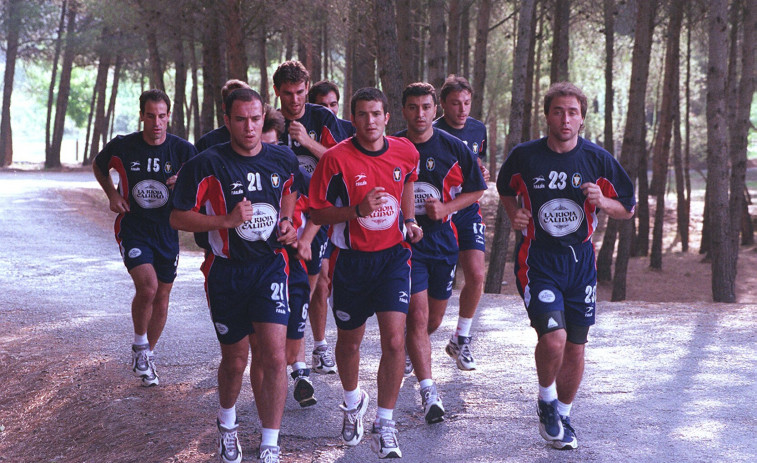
(263, 65)
(101, 86)
(211, 74)
(560, 42)
(465, 38)
(479, 67)
(453, 37)
(156, 66)
(405, 35)
(178, 126)
(389, 68)
(108, 130)
(52, 158)
(634, 143)
(363, 38)
(436, 49)
(493, 283)
(51, 89)
(195, 104)
(235, 50)
(13, 28)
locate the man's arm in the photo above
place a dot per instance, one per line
(287, 232)
(414, 233)
(437, 210)
(117, 202)
(193, 221)
(298, 132)
(331, 215)
(519, 217)
(611, 206)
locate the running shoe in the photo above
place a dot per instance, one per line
(384, 439)
(461, 352)
(269, 453)
(303, 388)
(568, 441)
(432, 404)
(323, 360)
(352, 426)
(139, 363)
(408, 366)
(228, 444)
(550, 426)
(151, 378)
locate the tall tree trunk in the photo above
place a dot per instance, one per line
(685, 211)
(641, 240)
(211, 74)
(13, 28)
(101, 86)
(453, 37)
(493, 283)
(405, 35)
(52, 158)
(363, 35)
(479, 71)
(107, 131)
(634, 143)
(528, 105)
(740, 141)
(668, 114)
(390, 71)
(156, 66)
(436, 49)
(235, 51)
(263, 64)
(682, 213)
(51, 89)
(178, 127)
(195, 104)
(722, 251)
(465, 39)
(560, 42)
(536, 116)
(90, 117)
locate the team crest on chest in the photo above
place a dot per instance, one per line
(312, 135)
(475, 148)
(430, 164)
(576, 180)
(167, 167)
(397, 174)
(275, 180)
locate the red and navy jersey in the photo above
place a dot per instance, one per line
(447, 168)
(550, 185)
(322, 126)
(473, 134)
(302, 207)
(347, 128)
(143, 170)
(221, 178)
(212, 138)
(347, 172)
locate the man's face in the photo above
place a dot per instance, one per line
(293, 97)
(419, 112)
(245, 124)
(155, 119)
(564, 118)
(369, 121)
(330, 101)
(457, 108)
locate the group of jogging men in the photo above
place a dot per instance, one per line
(298, 210)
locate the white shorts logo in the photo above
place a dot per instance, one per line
(134, 253)
(560, 217)
(308, 163)
(547, 296)
(384, 217)
(422, 192)
(262, 224)
(343, 316)
(150, 194)
(221, 328)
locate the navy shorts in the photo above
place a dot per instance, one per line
(144, 242)
(299, 299)
(365, 283)
(434, 259)
(470, 228)
(562, 279)
(318, 251)
(240, 293)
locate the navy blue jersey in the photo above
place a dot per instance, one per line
(212, 138)
(550, 185)
(446, 169)
(346, 127)
(221, 178)
(143, 170)
(322, 126)
(473, 134)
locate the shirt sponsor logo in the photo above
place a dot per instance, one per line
(360, 180)
(308, 163)
(422, 192)
(539, 182)
(236, 188)
(384, 217)
(150, 194)
(397, 174)
(262, 224)
(560, 217)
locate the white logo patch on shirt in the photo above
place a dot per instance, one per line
(560, 217)
(150, 194)
(422, 192)
(262, 224)
(384, 217)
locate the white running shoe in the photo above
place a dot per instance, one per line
(432, 404)
(384, 439)
(408, 366)
(323, 360)
(229, 448)
(143, 364)
(461, 352)
(352, 426)
(269, 453)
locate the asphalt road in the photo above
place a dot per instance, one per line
(663, 382)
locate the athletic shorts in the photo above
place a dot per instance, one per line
(299, 299)
(318, 250)
(365, 283)
(470, 228)
(434, 259)
(240, 293)
(562, 279)
(144, 242)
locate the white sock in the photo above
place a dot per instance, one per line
(549, 393)
(563, 409)
(426, 382)
(384, 414)
(352, 398)
(227, 416)
(299, 366)
(140, 339)
(269, 437)
(463, 326)
(320, 343)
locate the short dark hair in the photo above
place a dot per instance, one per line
(241, 94)
(418, 89)
(455, 83)
(322, 88)
(230, 86)
(153, 95)
(273, 120)
(565, 89)
(368, 94)
(292, 72)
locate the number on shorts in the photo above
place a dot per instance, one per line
(591, 294)
(277, 291)
(478, 228)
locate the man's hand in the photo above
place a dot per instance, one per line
(298, 131)
(241, 213)
(373, 200)
(413, 232)
(593, 193)
(118, 204)
(171, 181)
(304, 252)
(435, 209)
(484, 170)
(287, 233)
(521, 219)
